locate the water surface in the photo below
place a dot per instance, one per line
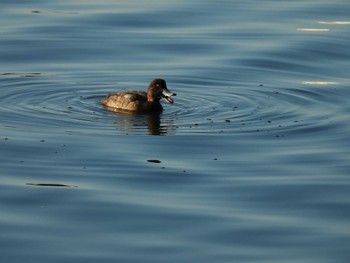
(250, 164)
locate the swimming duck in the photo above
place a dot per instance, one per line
(141, 101)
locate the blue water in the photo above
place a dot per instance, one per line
(250, 164)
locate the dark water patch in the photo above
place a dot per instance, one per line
(50, 185)
(47, 12)
(25, 75)
(154, 161)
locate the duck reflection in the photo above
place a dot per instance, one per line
(136, 123)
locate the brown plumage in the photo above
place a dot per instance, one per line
(140, 101)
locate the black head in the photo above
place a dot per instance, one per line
(157, 89)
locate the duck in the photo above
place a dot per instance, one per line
(140, 101)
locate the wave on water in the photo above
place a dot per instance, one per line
(34, 101)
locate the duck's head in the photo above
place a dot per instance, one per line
(157, 89)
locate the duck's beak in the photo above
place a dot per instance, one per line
(166, 95)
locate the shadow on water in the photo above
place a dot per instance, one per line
(132, 122)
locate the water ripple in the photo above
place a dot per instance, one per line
(202, 106)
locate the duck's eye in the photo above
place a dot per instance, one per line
(157, 85)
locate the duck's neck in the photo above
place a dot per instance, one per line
(150, 97)
(152, 106)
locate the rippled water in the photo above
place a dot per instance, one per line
(253, 159)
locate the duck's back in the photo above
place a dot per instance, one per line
(127, 100)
